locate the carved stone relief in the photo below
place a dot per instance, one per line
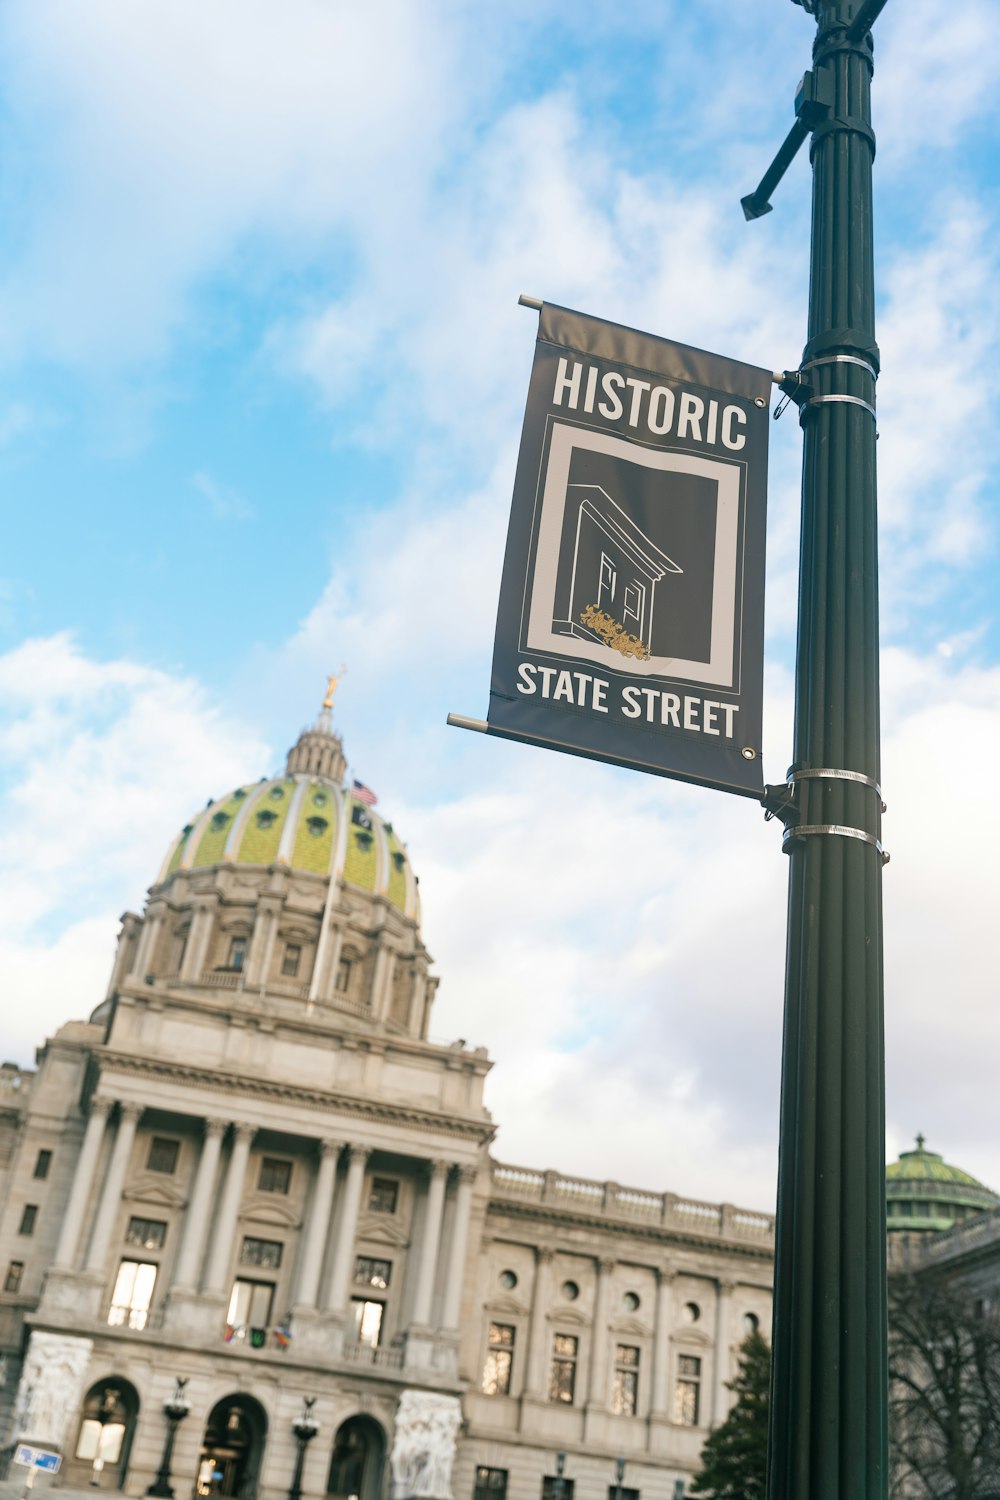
(424, 1448)
(51, 1387)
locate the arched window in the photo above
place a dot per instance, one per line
(107, 1424)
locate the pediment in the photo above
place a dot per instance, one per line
(568, 1315)
(509, 1305)
(380, 1231)
(155, 1190)
(691, 1336)
(631, 1326)
(265, 1210)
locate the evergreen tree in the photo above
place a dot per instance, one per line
(735, 1456)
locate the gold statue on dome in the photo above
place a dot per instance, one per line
(331, 685)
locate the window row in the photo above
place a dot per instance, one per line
(491, 1484)
(498, 1369)
(275, 1175)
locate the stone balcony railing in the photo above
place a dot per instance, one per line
(612, 1201)
(912, 1250)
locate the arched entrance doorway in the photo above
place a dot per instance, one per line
(104, 1440)
(232, 1448)
(357, 1464)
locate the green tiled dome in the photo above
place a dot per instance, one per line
(924, 1192)
(305, 820)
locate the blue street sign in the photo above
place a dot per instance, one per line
(37, 1458)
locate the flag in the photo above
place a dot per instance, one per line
(282, 1336)
(363, 793)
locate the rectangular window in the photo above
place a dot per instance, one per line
(499, 1358)
(343, 976)
(237, 953)
(686, 1391)
(383, 1196)
(29, 1214)
(12, 1281)
(133, 1294)
(261, 1253)
(626, 1387)
(562, 1382)
(147, 1234)
(291, 960)
(491, 1484)
(374, 1272)
(43, 1162)
(622, 1492)
(249, 1313)
(162, 1155)
(367, 1321)
(554, 1488)
(275, 1175)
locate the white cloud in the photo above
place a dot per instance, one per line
(98, 762)
(225, 502)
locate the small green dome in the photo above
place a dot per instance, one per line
(305, 820)
(924, 1192)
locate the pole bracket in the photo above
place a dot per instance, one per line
(783, 802)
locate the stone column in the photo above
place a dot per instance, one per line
(598, 1388)
(83, 1181)
(265, 930)
(229, 1210)
(336, 1298)
(146, 946)
(125, 952)
(541, 1299)
(452, 1309)
(661, 1345)
(324, 982)
(723, 1307)
(196, 1221)
(430, 1241)
(383, 957)
(111, 1195)
(203, 909)
(319, 1223)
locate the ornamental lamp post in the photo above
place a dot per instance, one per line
(175, 1410)
(560, 1483)
(828, 1414)
(305, 1428)
(619, 1475)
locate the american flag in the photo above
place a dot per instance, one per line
(363, 793)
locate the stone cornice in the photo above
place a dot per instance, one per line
(656, 1234)
(407, 1116)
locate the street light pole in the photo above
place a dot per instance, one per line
(175, 1410)
(305, 1428)
(827, 1438)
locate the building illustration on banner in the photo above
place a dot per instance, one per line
(607, 575)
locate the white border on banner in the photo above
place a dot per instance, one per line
(719, 671)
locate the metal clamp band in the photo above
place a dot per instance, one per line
(840, 830)
(840, 359)
(852, 400)
(826, 774)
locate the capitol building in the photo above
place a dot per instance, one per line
(254, 1242)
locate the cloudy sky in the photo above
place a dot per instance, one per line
(262, 371)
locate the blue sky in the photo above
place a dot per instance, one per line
(261, 377)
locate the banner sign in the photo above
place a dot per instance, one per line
(631, 616)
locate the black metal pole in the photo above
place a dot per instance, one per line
(828, 1411)
(161, 1485)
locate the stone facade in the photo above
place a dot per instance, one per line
(251, 1170)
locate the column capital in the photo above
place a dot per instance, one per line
(329, 1147)
(101, 1106)
(665, 1275)
(726, 1284)
(202, 900)
(243, 1132)
(129, 1113)
(544, 1254)
(465, 1173)
(605, 1264)
(436, 1167)
(359, 1154)
(157, 908)
(214, 1126)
